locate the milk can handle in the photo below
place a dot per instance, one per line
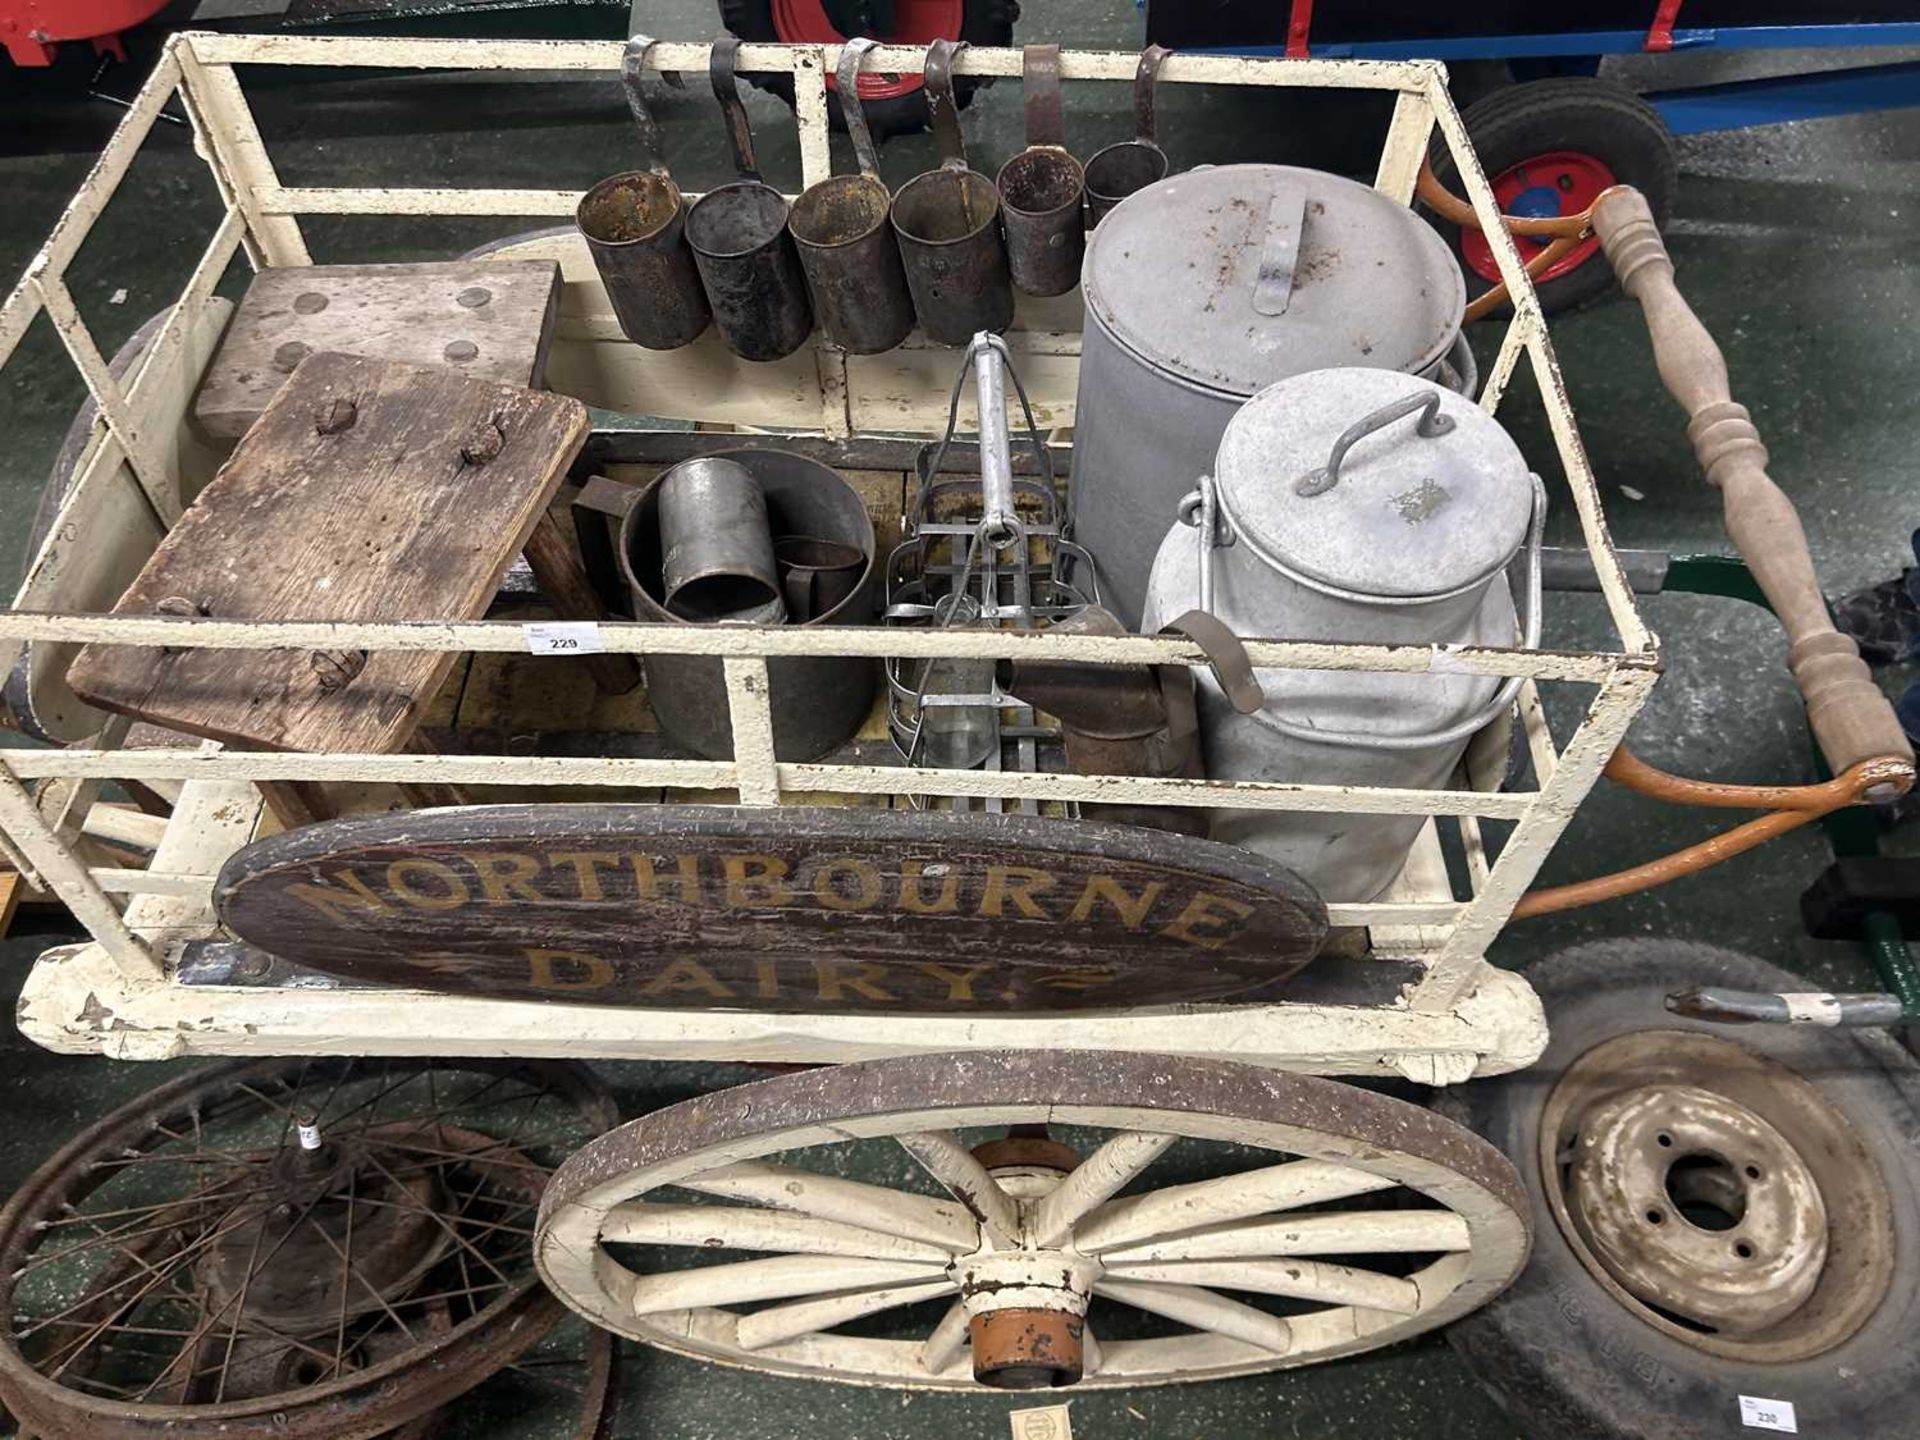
(941, 106)
(726, 89)
(847, 80)
(1431, 424)
(633, 65)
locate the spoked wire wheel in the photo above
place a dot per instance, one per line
(1015, 1219)
(302, 1248)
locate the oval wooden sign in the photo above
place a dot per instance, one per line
(817, 909)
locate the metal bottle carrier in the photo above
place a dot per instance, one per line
(1424, 1003)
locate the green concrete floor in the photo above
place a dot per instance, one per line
(1795, 243)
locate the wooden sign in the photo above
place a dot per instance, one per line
(826, 910)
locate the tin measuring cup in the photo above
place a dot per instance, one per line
(1120, 169)
(740, 242)
(847, 248)
(1043, 187)
(717, 559)
(948, 224)
(633, 227)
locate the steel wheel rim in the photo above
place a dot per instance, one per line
(1559, 182)
(390, 1390)
(1389, 1142)
(1857, 1268)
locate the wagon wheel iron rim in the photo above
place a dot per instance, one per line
(904, 1241)
(1718, 1195)
(139, 1263)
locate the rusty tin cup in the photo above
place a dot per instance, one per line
(1120, 169)
(740, 242)
(633, 225)
(847, 246)
(1042, 189)
(948, 224)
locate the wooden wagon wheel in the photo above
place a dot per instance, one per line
(1092, 1243)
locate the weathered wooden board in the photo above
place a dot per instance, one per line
(797, 909)
(491, 319)
(369, 491)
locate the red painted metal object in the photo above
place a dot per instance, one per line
(1560, 182)
(915, 22)
(32, 30)
(1660, 33)
(1299, 27)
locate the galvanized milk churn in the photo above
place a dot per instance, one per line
(1361, 506)
(1205, 288)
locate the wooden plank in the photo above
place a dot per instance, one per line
(498, 314)
(833, 911)
(355, 497)
(12, 887)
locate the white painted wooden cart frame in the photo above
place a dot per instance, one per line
(114, 994)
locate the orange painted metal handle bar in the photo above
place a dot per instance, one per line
(1562, 232)
(1791, 806)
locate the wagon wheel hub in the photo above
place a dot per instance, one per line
(1698, 1206)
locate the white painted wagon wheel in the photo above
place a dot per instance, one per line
(1341, 1220)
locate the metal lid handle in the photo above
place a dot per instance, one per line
(633, 65)
(1431, 425)
(846, 80)
(938, 75)
(1280, 250)
(1040, 84)
(1146, 86)
(726, 89)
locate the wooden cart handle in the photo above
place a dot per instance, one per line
(1851, 719)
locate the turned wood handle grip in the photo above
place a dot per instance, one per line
(1851, 719)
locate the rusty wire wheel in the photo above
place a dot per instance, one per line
(1021, 1219)
(296, 1248)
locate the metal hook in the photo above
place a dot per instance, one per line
(633, 65)
(726, 89)
(847, 82)
(1040, 84)
(1146, 86)
(945, 111)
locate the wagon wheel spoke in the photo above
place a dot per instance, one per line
(943, 1156)
(1203, 1310)
(1355, 1232)
(781, 1278)
(752, 1228)
(1107, 1170)
(1316, 1280)
(947, 1342)
(850, 1202)
(806, 1317)
(1298, 1183)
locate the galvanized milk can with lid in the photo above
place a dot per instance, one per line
(1205, 288)
(1360, 506)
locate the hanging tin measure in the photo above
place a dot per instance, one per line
(717, 562)
(819, 702)
(633, 227)
(1363, 507)
(846, 244)
(1129, 165)
(948, 223)
(740, 242)
(1210, 286)
(1042, 189)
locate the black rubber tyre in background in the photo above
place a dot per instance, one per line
(1571, 1359)
(985, 22)
(1592, 116)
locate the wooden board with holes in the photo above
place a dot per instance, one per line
(491, 319)
(368, 491)
(847, 910)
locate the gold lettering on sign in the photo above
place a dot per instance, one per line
(959, 983)
(685, 878)
(685, 973)
(859, 976)
(506, 877)
(754, 881)
(915, 903)
(568, 970)
(586, 866)
(451, 894)
(866, 881)
(766, 974)
(1018, 883)
(348, 906)
(1132, 909)
(1206, 909)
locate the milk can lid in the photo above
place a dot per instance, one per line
(1416, 509)
(1239, 275)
